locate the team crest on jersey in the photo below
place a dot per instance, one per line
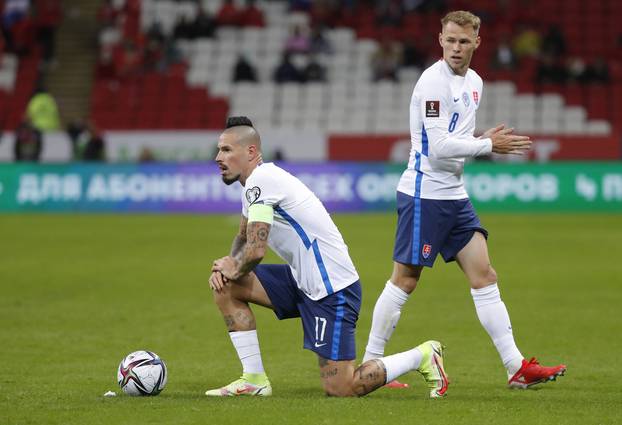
(426, 250)
(465, 99)
(432, 108)
(253, 194)
(476, 97)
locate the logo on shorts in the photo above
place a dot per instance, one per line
(476, 97)
(432, 108)
(253, 194)
(426, 250)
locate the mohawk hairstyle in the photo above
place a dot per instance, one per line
(236, 121)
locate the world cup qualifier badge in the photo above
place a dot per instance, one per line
(426, 250)
(476, 97)
(253, 194)
(432, 108)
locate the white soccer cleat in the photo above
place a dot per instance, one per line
(242, 387)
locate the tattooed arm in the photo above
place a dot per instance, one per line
(240, 239)
(249, 253)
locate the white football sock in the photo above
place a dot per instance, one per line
(494, 317)
(398, 364)
(386, 315)
(247, 346)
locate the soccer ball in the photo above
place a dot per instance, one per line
(142, 373)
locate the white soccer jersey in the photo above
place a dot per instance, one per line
(303, 234)
(442, 122)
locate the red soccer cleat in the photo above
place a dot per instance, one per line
(396, 384)
(531, 373)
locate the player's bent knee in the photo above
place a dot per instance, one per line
(222, 297)
(485, 277)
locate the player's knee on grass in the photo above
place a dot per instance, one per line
(337, 377)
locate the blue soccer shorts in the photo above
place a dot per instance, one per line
(426, 227)
(328, 324)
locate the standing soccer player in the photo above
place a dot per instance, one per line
(435, 214)
(319, 283)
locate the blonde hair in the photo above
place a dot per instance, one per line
(462, 18)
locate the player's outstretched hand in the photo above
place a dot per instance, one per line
(488, 133)
(217, 281)
(504, 142)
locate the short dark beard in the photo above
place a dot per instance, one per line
(229, 181)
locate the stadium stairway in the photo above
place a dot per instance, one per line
(71, 78)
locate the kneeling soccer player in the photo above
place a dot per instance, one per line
(319, 284)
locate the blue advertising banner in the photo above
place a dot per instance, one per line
(343, 187)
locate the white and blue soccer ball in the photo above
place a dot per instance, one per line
(142, 373)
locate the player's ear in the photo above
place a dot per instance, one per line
(440, 38)
(252, 151)
(478, 41)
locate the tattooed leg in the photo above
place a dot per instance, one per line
(340, 379)
(233, 302)
(369, 376)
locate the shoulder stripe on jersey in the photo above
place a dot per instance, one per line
(308, 244)
(424, 141)
(417, 211)
(337, 326)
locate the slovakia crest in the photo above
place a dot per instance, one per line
(476, 97)
(426, 250)
(466, 99)
(253, 194)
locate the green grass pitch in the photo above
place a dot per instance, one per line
(79, 292)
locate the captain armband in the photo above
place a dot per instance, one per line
(261, 212)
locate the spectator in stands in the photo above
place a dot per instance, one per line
(28, 143)
(153, 55)
(324, 13)
(2, 44)
(386, 60)
(314, 71)
(14, 11)
(527, 42)
(228, 15)
(107, 14)
(575, 69)
(48, 17)
(128, 61)
(20, 34)
(131, 20)
(412, 56)
(597, 71)
(160, 51)
(244, 70)
(86, 141)
(298, 40)
(300, 5)
(251, 15)
(318, 43)
(286, 71)
(553, 42)
(550, 70)
(389, 13)
(42, 111)
(183, 29)
(204, 25)
(503, 57)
